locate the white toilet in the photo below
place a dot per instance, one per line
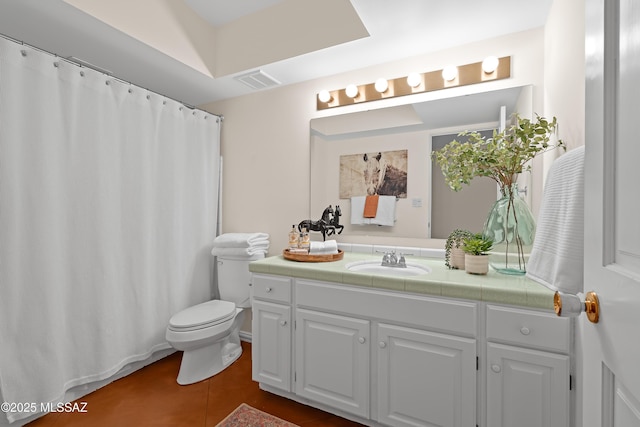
(208, 333)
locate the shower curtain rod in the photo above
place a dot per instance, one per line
(81, 63)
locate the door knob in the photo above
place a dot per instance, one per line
(568, 305)
(382, 344)
(361, 340)
(283, 323)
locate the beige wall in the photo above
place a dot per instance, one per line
(564, 71)
(266, 143)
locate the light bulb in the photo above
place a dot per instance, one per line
(351, 91)
(381, 85)
(490, 64)
(414, 80)
(324, 96)
(450, 72)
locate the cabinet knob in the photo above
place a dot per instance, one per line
(525, 331)
(496, 368)
(283, 323)
(382, 344)
(361, 340)
(267, 289)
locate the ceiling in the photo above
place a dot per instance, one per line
(195, 50)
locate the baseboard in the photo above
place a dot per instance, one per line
(245, 336)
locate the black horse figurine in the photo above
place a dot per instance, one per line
(334, 224)
(320, 225)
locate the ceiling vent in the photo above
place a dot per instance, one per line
(257, 80)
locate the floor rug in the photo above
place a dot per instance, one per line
(247, 416)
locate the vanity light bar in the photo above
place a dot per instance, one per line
(430, 81)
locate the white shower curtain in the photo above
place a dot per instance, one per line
(108, 204)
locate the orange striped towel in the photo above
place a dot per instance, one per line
(371, 206)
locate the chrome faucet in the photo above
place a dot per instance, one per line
(390, 259)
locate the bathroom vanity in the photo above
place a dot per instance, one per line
(444, 348)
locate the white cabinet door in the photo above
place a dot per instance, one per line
(271, 344)
(526, 388)
(425, 378)
(332, 360)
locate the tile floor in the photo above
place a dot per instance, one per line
(152, 397)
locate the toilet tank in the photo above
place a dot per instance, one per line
(234, 279)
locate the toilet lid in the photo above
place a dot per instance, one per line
(205, 314)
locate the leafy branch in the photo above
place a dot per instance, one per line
(501, 157)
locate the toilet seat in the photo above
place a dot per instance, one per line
(202, 316)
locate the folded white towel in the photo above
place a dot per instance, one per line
(556, 259)
(240, 240)
(386, 214)
(323, 248)
(357, 209)
(239, 252)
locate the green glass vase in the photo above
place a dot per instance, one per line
(512, 228)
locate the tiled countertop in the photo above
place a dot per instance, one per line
(494, 287)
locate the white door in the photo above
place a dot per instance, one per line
(611, 347)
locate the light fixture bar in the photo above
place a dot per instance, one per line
(430, 81)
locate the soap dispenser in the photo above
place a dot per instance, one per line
(305, 241)
(293, 238)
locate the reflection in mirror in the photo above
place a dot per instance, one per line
(428, 209)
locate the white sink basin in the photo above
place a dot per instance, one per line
(374, 267)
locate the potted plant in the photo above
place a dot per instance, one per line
(453, 254)
(502, 158)
(476, 248)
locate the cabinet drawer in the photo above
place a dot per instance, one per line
(272, 288)
(528, 328)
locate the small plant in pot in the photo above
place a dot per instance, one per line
(454, 255)
(476, 248)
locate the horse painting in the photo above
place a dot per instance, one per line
(382, 178)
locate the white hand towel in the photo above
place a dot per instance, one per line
(323, 248)
(386, 214)
(240, 240)
(556, 259)
(357, 210)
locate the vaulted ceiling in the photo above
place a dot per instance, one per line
(199, 51)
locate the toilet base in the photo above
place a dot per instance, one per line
(204, 362)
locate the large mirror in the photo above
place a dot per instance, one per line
(401, 138)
